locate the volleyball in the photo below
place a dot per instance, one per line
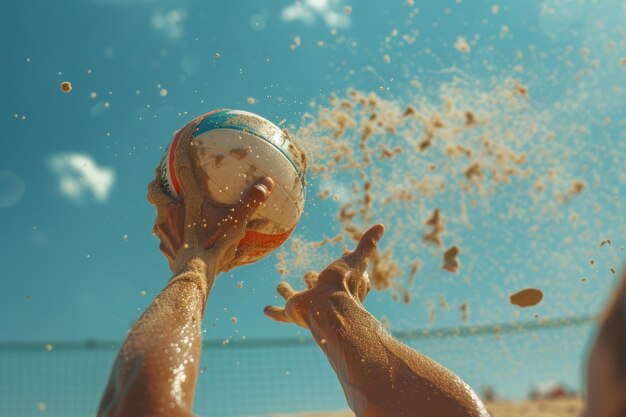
(233, 149)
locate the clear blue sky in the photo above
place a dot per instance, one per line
(76, 249)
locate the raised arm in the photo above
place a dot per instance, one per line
(380, 376)
(156, 370)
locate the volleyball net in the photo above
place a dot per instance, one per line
(262, 377)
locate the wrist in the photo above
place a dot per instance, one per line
(188, 261)
(329, 314)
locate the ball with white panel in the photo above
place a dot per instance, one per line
(234, 149)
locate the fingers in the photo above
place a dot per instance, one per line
(256, 195)
(166, 250)
(170, 228)
(241, 213)
(276, 314)
(310, 279)
(156, 192)
(285, 290)
(368, 242)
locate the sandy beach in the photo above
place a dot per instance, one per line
(562, 407)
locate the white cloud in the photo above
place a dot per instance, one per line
(298, 12)
(309, 10)
(79, 175)
(170, 22)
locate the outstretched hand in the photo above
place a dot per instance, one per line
(214, 236)
(348, 273)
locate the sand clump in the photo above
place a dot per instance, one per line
(437, 223)
(575, 189)
(526, 298)
(451, 261)
(66, 86)
(384, 270)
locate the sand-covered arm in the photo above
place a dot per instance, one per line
(380, 376)
(156, 370)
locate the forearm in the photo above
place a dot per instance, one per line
(382, 377)
(350, 337)
(157, 366)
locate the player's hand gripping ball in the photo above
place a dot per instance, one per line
(229, 151)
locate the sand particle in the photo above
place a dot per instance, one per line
(450, 260)
(461, 45)
(437, 223)
(66, 86)
(465, 312)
